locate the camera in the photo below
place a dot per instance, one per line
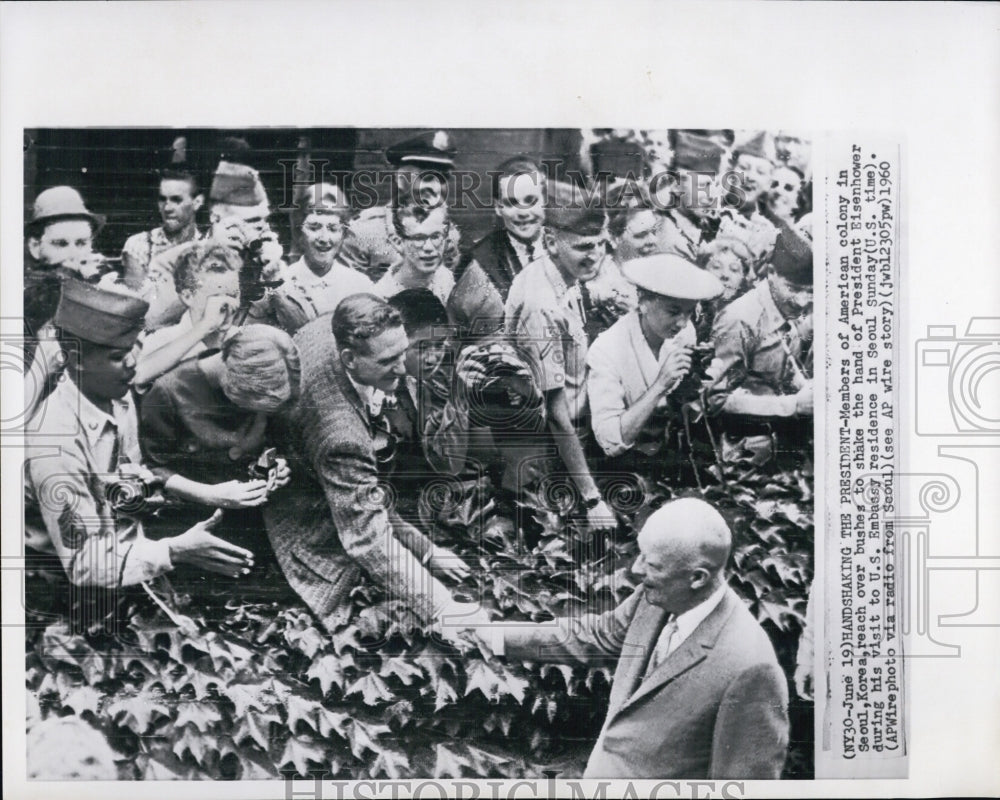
(134, 495)
(265, 468)
(691, 384)
(958, 380)
(252, 287)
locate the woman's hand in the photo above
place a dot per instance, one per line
(282, 474)
(238, 494)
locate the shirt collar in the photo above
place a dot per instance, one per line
(93, 421)
(556, 278)
(774, 316)
(522, 249)
(372, 398)
(693, 617)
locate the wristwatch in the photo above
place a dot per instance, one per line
(590, 503)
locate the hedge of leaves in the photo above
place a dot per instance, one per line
(259, 690)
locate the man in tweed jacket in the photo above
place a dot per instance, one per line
(337, 520)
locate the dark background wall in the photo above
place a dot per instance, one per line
(115, 168)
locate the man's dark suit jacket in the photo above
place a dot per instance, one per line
(715, 708)
(335, 519)
(483, 279)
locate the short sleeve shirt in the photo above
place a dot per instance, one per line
(546, 316)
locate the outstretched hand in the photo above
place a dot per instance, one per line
(199, 547)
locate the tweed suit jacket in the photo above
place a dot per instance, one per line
(715, 708)
(335, 521)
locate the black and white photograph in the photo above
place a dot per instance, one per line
(513, 400)
(400, 453)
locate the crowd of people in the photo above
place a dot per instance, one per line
(281, 413)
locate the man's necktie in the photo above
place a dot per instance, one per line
(529, 248)
(663, 646)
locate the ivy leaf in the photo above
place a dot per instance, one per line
(328, 722)
(201, 715)
(499, 719)
(346, 639)
(444, 694)
(391, 763)
(481, 677)
(199, 681)
(165, 766)
(329, 671)
(191, 740)
(361, 736)
(593, 674)
(564, 671)
(300, 750)
(136, 713)
(484, 762)
(255, 766)
(308, 641)
(256, 726)
(448, 763)
(403, 669)
(82, 699)
(300, 710)
(372, 688)
(244, 696)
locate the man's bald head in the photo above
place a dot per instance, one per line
(684, 548)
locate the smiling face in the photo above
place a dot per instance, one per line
(577, 257)
(423, 242)
(521, 205)
(783, 194)
(178, 204)
(792, 299)
(425, 353)
(756, 177)
(62, 244)
(322, 233)
(380, 361)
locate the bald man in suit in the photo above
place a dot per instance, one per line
(697, 691)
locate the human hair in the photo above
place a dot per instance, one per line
(193, 262)
(417, 213)
(518, 165)
(182, 175)
(419, 308)
(625, 202)
(361, 317)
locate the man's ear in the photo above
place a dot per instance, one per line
(347, 358)
(700, 578)
(186, 296)
(35, 247)
(549, 240)
(199, 201)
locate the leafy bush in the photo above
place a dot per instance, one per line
(259, 690)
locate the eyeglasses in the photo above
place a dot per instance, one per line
(436, 238)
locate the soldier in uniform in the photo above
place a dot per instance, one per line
(80, 496)
(689, 218)
(545, 315)
(762, 372)
(743, 216)
(421, 167)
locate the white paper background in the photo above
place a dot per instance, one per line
(929, 73)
